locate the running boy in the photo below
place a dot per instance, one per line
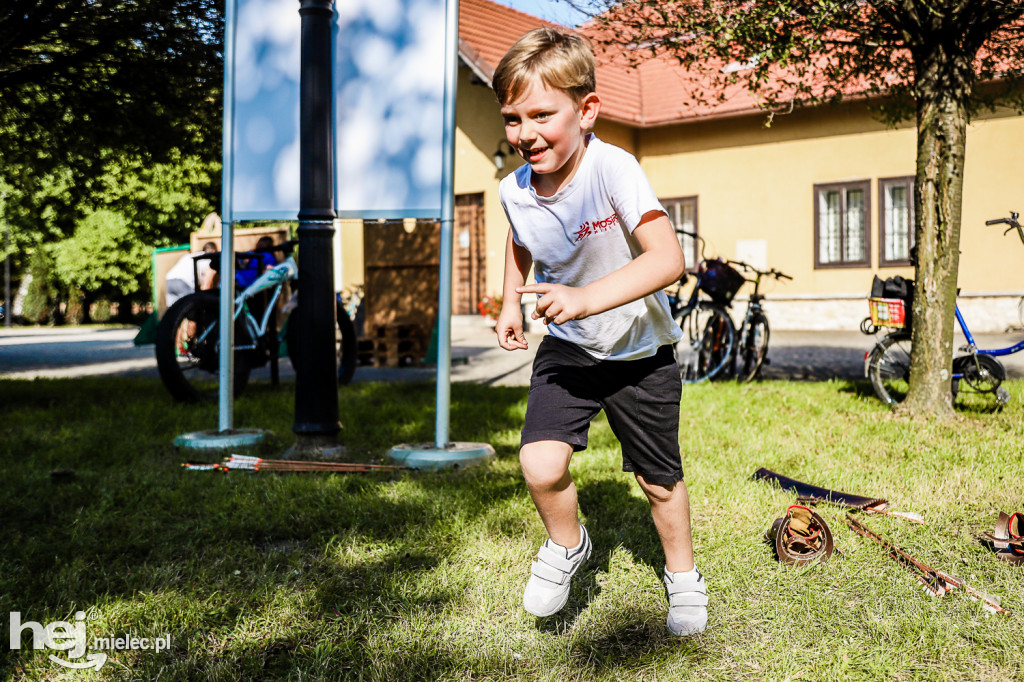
(583, 214)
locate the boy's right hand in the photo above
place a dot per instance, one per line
(509, 329)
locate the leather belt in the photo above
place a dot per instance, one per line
(801, 537)
(1007, 540)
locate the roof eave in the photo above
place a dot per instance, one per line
(477, 64)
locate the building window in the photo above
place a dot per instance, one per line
(841, 224)
(895, 220)
(683, 214)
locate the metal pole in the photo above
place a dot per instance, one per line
(444, 315)
(8, 313)
(316, 375)
(444, 453)
(226, 370)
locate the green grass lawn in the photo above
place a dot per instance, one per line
(392, 576)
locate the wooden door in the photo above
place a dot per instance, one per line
(468, 261)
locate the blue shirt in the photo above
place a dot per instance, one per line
(248, 271)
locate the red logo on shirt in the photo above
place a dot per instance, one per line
(589, 228)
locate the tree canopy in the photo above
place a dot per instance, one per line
(791, 52)
(109, 130)
(81, 76)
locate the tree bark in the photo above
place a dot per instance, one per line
(941, 146)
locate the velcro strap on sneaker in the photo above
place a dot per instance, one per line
(549, 573)
(554, 557)
(687, 593)
(687, 599)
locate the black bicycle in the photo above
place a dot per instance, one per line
(752, 347)
(188, 337)
(706, 348)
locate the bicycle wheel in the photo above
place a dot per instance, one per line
(187, 349)
(981, 373)
(345, 340)
(706, 346)
(889, 367)
(752, 348)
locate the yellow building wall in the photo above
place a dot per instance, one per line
(479, 131)
(993, 186)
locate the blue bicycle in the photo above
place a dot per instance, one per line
(887, 365)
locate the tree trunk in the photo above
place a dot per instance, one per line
(941, 145)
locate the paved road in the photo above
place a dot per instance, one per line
(27, 353)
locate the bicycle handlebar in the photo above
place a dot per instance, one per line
(1011, 221)
(777, 274)
(769, 273)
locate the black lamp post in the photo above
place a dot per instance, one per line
(316, 384)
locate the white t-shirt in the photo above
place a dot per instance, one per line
(584, 232)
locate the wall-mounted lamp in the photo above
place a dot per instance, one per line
(499, 156)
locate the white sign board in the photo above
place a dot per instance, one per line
(388, 108)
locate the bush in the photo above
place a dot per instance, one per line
(42, 304)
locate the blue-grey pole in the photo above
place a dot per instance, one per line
(8, 310)
(226, 369)
(444, 314)
(316, 373)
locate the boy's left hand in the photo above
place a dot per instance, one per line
(557, 303)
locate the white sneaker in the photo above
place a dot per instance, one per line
(548, 587)
(687, 603)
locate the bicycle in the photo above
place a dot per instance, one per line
(188, 336)
(887, 365)
(708, 331)
(752, 348)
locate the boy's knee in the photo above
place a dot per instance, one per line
(546, 465)
(658, 493)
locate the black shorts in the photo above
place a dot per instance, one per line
(641, 398)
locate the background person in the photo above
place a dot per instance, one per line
(181, 278)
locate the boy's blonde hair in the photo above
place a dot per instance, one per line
(561, 59)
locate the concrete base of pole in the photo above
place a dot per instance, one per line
(318, 448)
(429, 457)
(232, 439)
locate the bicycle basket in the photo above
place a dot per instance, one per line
(888, 312)
(720, 281)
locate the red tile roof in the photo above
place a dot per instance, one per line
(658, 92)
(487, 30)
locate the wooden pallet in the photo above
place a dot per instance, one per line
(394, 345)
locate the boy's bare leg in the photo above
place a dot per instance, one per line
(546, 469)
(670, 507)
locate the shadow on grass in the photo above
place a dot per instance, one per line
(97, 511)
(256, 576)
